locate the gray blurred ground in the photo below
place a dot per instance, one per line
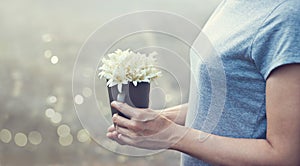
(39, 42)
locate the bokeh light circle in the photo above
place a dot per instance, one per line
(66, 141)
(20, 139)
(83, 136)
(5, 135)
(63, 130)
(35, 137)
(56, 118)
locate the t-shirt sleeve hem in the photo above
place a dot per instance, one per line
(277, 63)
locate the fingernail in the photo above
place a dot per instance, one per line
(119, 136)
(115, 116)
(114, 119)
(115, 103)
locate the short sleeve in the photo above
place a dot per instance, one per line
(277, 42)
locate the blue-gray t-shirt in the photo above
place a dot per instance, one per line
(252, 37)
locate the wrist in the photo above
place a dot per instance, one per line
(180, 137)
(176, 114)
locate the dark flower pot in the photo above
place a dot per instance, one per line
(135, 96)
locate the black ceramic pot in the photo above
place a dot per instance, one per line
(135, 96)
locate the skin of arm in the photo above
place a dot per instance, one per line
(281, 146)
(176, 114)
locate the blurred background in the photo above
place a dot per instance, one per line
(39, 42)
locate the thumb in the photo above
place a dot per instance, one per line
(124, 108)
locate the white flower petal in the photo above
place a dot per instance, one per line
(120, 88)
(134, 83)
(127, 66)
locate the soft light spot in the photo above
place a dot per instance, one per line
(52, 99)
(169, 98)
(46, 38)
(54, 60)
(149, 158)
(47, 53)
(63, 130)
(49, 112)
(20, 139)
(35, 137)
(5, 135)
(88, 72)
(17, 88)
(87, 92)
(56, 118)
(16, 75)
(83, 136)
(122, 158)
(66, 141)
(78, 99)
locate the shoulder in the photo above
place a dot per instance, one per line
(286, 11)
(283, 19)
(288, 7)
(277, 42)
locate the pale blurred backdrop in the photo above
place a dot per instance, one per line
(39, 42)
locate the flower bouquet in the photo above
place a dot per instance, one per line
(128, 76)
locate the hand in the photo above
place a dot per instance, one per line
(145, 129)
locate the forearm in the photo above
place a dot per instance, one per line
(232, 151)
(177, 113)
(281, 146)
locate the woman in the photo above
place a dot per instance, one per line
(259, 44)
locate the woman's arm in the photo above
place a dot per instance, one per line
(147, 129)
(282, 146)
(176, 114)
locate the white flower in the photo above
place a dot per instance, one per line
(127, 66)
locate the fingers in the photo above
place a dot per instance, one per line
(121, 121)
(159, 138)
(145, 128)
(111, 128)
(113, 135)
(126, 140)
(135, 113)
(124, 108)
(126, 123)
(129, 133)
